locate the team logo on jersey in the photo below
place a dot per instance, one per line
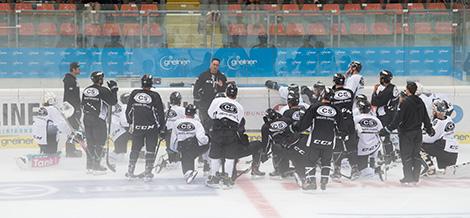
(229, 108)
(368, 122)
(342, 95)
(278, 125)
(297, 115)
(91, 92)
(326, 111)
(450, 126)
(186, 126)
(172, 114)
(143, 98)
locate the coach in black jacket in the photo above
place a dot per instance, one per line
(72, 96)
(409, 120)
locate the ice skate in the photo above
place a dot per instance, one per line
(190, 176)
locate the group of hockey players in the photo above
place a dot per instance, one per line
(330, 126)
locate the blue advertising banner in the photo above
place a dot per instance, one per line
(235, 62)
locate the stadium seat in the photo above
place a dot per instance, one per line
(131, 29)
(4, 7)
(335, 29)
(277, 29)
(111, 29)
(271, 7)
(26, 29)
(352, 7)
(290, 7)
(334, 8)
(381, 29)
(68, 29)
(234, 10)
(295, 29)
(46, 29)
(67, 7)
(317, 29)
(311, 10)
(149, 7)
(415, 6)
(399, 29)
(423, 28)
(92, 30)
(358, 29)
(458, 6)
(131, 8)
(236, 29)
(436, 6)
(23, 6)
(443, 28)
(4, 31)
(152, 30)
(395, 8)
(255, 29)
(372, 7)
(45, 7)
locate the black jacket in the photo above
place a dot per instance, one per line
(205, 87)
(411, 115)
(72, 92)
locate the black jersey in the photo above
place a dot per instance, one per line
(145, 110)
(97, 101)
(294, 114)
(344, 100)
(386, 100)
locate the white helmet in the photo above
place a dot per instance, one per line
(420, 88)
(49, 99)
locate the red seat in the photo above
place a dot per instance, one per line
(372, 7)
(443, 28)
(26, 29)
(132, 8)
(111, 29)
(458, 6)
(46, 29)
(234, 10)
(358, 29)
(415, 6)
(352, 7)
(399, 29)
(5, 7)
(255, 29)
(149, 7)
(311, 7)
(277, 29)
(152, 29)
(23, 6)
(92, 30)
(272, 7)
(334, 8)
(45, 7)
(67, 7)
(423, 28)
(317, 29)
(436, 6)
(236, 29)
(4, 31)
(395, 8)
(290, 7)
(295, 29)
(131, 29)
(68, 29)
(336, 28)
(381, 29)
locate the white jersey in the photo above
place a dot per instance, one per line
(428, 98)
(226, 108)
(368, 142)
(118, 122)
(185, 128)
(284, 92)
(355, 83)
(444, 130)
(174, 113)
(53, 118)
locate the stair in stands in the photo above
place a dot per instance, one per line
(182, 5)
(183, 32)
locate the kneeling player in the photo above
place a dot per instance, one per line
(189, 139)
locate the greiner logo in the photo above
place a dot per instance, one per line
(235, 62)
(170, 62)
(368, 122)
(186, 126)
(229, 108)
(326, 111)
(91, 92)
(142, 98)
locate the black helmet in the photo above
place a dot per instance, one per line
(125, 98)
(293, 99)
(385, 76)
(231, 90)
(339, 79)
(293, 88)
(42, 112)
(361, 97)
(97, 77)
(271, 115)
(220, 95)
(363, 106)
(357, 65)
(440, 105)
(146, 81)
(190, 110)
(328, 94)
(175, 98)
(318, 87)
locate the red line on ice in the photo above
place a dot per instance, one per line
(257, 199)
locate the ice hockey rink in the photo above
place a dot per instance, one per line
(67, 191)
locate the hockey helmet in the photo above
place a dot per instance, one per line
(328, 94)
(385, 76)
(49, 99)
(146, 81)
(318, 87)
(357, 65)
(361, 97)
(293, 88)
(364, 106)
(419, 88)
(175, 98)
(124, 98)
(440, 106)
(293, 99)
(42, 111)
(271, 115)
(190, 110)
(97, 77)
(232, 90)
(339, 79)
(220, 95)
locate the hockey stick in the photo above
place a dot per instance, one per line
(111, 166)
(248, 169)
(82, 142)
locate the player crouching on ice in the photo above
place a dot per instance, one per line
(190, 140)
(49, 128)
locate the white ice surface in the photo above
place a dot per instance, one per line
(65, 191)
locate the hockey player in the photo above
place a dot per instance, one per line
(174, 112)
(146, 118)
(411, 116)
(189, 139)
(284, 90)
(369, 143)
(325, 120)
(354, 81)
(313, 95)
(442, 145)
(358, 98)
(119, 132)
(385, 97)
(227, 115)
(97, 101)
(343, 100)
(291, 91)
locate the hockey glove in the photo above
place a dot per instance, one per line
(271, 85)
(384, 132)
(113, 86)
(431, 132)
